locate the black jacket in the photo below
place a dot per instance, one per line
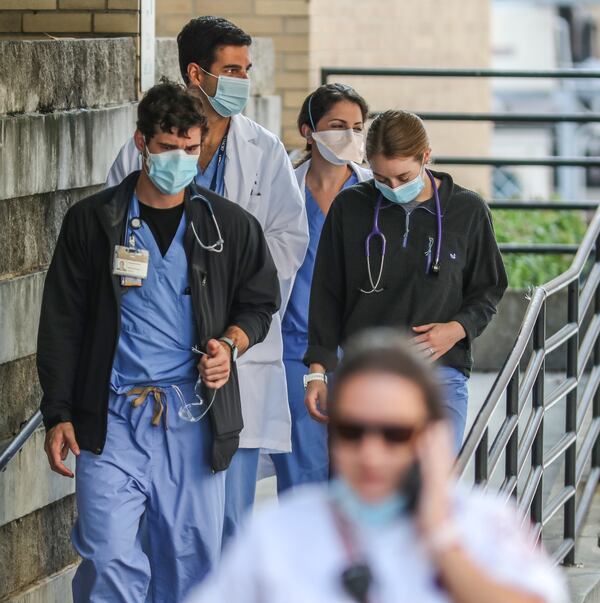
(80, 318)
(468, 288)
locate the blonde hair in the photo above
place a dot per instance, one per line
(397, 134)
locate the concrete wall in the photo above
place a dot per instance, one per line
(58, 137)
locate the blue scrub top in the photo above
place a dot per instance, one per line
(205, 178)
(158, 327)
(295, 321)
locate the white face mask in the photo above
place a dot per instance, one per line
(340, 146)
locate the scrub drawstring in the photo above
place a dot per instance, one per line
(159, 407)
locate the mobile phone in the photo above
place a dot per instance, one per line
(411, 487)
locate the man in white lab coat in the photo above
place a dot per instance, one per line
(246, 163)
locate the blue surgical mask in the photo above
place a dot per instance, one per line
(365, 513)
(231, 96)
(405, 193)
(171, 171)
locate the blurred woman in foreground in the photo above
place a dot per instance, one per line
(392, 525)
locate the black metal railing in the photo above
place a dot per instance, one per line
(526, 399)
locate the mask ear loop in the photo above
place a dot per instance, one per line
(312, 122)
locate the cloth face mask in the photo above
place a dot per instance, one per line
(360, 512)
(340, 147)
(171, 171)
(231, 96)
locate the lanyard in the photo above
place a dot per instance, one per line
(357, 578)
(220, 155)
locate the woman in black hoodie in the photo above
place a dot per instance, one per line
(409, 249)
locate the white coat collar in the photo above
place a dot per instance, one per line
(243, 156)
(362, 174)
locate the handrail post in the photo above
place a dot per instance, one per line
(481, 459)
(512, 447)
(537, 399)
(571, 419)
(596, 406)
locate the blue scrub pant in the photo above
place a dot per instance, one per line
(455, 400)
(240, 489)
(309, 460)
(160, 475)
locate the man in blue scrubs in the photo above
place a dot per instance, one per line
(144, 274)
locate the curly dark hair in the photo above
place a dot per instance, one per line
(167, 106)
(200, 38)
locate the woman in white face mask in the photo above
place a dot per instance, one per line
(332, 121)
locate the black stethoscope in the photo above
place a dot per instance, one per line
(135, 223)
(377, 233)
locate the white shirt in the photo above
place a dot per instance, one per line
(260, 178)
(292, 553)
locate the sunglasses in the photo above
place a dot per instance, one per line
(392, 434)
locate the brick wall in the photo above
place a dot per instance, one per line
(285, 21)
(72, 18)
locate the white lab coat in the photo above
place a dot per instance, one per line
(293, 553)
(260, 178)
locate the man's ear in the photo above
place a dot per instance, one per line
(140, 143)
(195, 75)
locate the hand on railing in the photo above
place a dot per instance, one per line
(59, 440)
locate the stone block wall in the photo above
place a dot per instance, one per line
(58, 137)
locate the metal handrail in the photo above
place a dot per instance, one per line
(326, 72)
(519, 448)
(19, 440)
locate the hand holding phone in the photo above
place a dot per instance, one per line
(435, 455)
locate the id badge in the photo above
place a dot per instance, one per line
(130, 264)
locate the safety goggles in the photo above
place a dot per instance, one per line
(391, 434)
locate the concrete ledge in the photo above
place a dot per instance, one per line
(28, 484)
(51, 75)
(265, 110)
(36, 546)
(54, 589)
(30, 227)
(262, 77)
(20, 395)
(20, 300)
(61, 151)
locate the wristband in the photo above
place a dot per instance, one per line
(314, 377)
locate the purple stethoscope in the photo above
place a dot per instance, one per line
(377, 233)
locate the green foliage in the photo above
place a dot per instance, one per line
(514, 226)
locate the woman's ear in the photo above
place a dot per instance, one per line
(306, 132)
(427, 156)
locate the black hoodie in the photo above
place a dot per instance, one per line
(468, 288)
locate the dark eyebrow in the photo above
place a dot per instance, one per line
(236, 66)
